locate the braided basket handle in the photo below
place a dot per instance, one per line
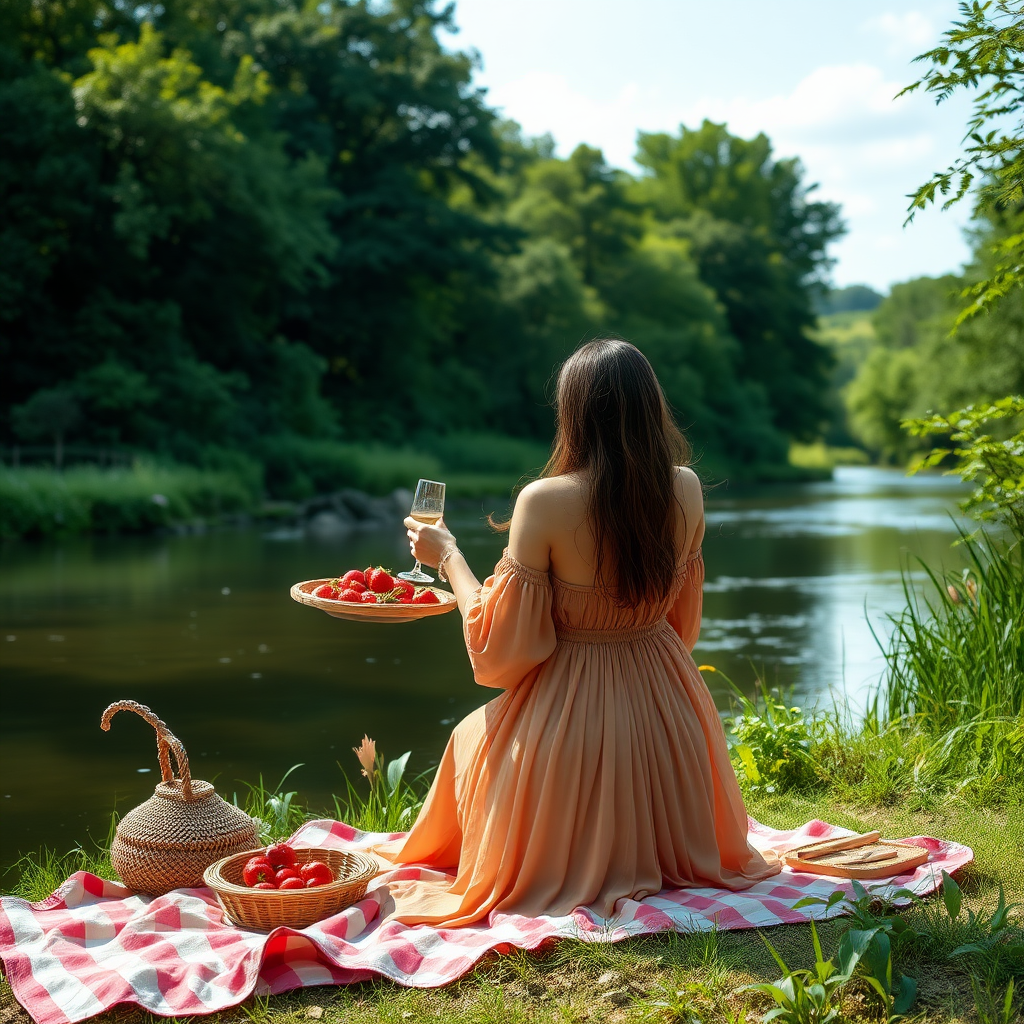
(166, 743)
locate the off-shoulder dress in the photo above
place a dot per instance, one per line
(599, 773)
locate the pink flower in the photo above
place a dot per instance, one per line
(367, 754)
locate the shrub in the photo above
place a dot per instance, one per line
(42, 503)
(298, 467)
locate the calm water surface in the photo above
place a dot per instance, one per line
(201, 628)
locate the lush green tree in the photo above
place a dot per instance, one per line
(760, 243)
(920, 363)
(983, 53)
(51, 413)
(235, 225)
(582, 204)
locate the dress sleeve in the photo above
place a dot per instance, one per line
(508, 624)
(684, 615)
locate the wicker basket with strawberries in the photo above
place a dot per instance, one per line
(285, 886)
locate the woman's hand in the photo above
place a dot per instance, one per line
(427, 543)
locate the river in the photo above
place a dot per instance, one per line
(201, 628)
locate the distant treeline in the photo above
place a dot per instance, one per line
(900, 357)
(243, 225)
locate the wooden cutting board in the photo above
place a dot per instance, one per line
(860, 856)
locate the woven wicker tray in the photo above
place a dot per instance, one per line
(303, 593)
(265, 909)
(836, 863)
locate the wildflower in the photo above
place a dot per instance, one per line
(972, 590)
(367, 754)
(954, 594)
(706, 668)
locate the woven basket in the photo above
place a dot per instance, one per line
(290, 908)
(168, 842)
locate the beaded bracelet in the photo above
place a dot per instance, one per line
(449, 549)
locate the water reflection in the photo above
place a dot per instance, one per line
(201, 628)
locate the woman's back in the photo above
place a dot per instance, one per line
(550, 531)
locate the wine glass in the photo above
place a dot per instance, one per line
(427, 507)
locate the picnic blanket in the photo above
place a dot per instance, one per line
(93, 944)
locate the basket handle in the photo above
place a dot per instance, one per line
(166, 743)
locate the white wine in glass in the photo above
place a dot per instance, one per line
(427, 507)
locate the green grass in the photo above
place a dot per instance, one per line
(42, 503)
(822, 456)
(955, 666)
(472, 465)
(695, 978)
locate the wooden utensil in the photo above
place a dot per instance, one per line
(823, 849)
(877, 858)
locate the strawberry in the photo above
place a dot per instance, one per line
(284, 873)
(316, 869)
(354, 576)
(350, 595)
(359, 588)
(406, 587)
(280, 855)
(426, 597)
(325, 591)
(380, 581)
(258, 869)
(292, 883)
(368, 598)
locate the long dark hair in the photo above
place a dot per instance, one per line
(613, 422)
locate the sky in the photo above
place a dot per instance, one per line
(818, 77)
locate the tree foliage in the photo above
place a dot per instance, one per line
(983, 53)
(918, 363)
(238, 224)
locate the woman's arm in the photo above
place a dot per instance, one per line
(428, 544)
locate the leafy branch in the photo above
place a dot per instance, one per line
(983, 52)
(995, 466)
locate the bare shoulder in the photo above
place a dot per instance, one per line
(548, 494)
(690, 493)
(542, 509)
(689, 488)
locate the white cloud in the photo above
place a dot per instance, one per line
(910, 31)
(832, 103)
(864, 148)
(543, 101)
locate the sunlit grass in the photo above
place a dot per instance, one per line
(39, 874)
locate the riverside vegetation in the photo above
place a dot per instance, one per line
(940, 752)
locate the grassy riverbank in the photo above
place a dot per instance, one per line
(697, 978)
(43, 502)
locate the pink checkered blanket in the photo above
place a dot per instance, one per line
(93, 945)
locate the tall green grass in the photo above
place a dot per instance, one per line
(41, 873)
(947, 717)
(472, 464)
(41, 502)
(955, 665)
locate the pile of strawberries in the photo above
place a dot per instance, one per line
(277, 868)
(374, 585)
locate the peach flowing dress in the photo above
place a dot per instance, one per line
(600, 772)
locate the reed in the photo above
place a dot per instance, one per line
(389, 802)
(955, 664)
